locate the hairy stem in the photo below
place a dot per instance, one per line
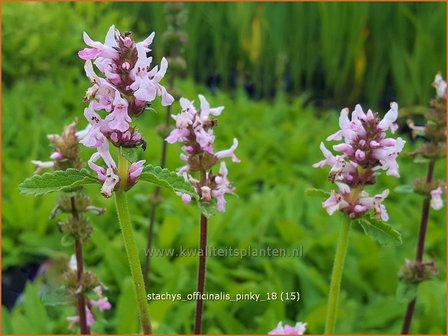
(131, 246)
(81, 302)
(336, 276)
(420, 248)
(152, 216)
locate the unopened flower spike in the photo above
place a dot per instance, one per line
(433, 149)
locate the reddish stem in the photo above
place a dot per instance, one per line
(420, 248)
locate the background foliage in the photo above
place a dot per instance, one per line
(328, 54)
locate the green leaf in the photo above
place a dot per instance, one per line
(404, 189)
(406, 291)
(166, 178)
(35, 310)
(6, 322)
(59, 180)
(131, 154)
(382, 232)
(313, 192)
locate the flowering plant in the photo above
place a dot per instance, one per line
(365, 150)
(113, 102)
(194, 129)
(77, 281)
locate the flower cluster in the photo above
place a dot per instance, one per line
(128, 86)
(364, 151)
(102, 303)
(194, 128)
(298, 329)
(434, 148)
(418, 271)
(66, 151)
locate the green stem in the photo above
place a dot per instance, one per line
(131, 247)
(336, 277)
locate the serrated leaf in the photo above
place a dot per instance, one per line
(404, 189)
(313, 192)
(59, 180)
(130, 154)
(382, 232)
(406, 291)
(166, 178)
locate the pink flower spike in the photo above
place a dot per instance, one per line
(229, 152)
(436, 198)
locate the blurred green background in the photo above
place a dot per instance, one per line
(283, 72)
